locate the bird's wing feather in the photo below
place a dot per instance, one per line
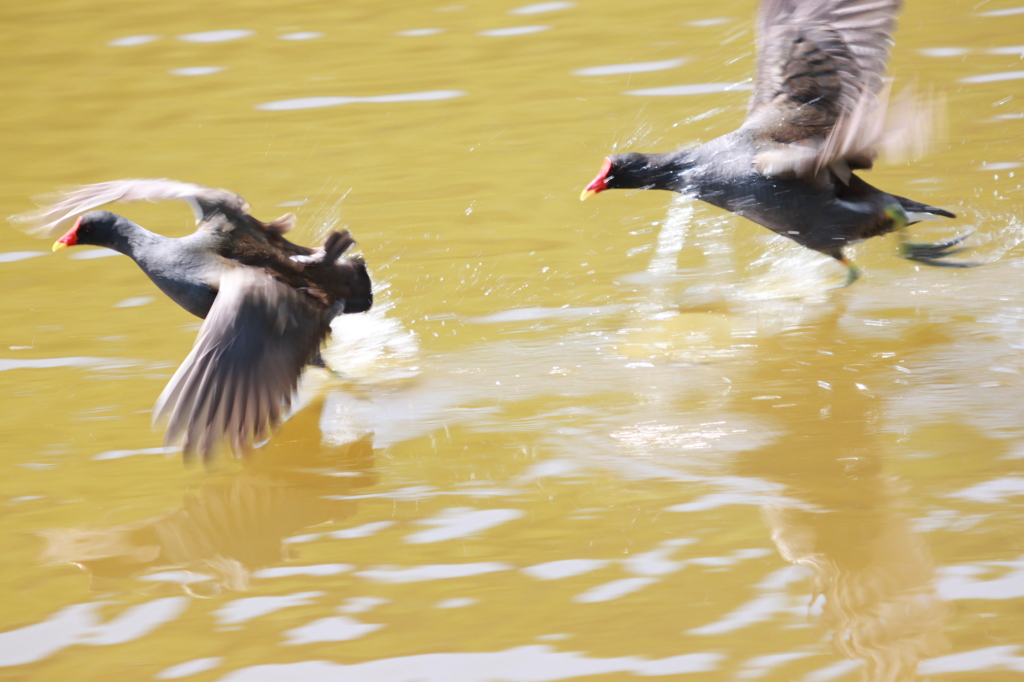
(57, 212)
(819, 83)
(238, 380)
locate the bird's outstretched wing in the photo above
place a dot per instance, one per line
(238, 381)
(819, 93)
(57, 212)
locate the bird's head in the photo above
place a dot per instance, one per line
(96, 228)
(635, 171)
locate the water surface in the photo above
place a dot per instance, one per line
(634, 437)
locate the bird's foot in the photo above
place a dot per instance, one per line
(929, 253)
(852, 274)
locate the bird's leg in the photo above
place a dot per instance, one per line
(852, 271)
(924, 252)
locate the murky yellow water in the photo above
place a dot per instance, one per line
(628, 438)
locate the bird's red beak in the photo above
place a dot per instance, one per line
(600, 183)
(69, 239)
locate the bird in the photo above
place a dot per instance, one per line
(817, 114)
(267, 304)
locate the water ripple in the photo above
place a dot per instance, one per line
(943, 51)
(244, 610)
(51, 363)
(216, 36)
(1016, 50)
(79, 624)
(318, 102)
(564, 568)
(542, 7)
(460, 522)
(704, 23)
(537, 663)
(385, 574)
(636, 67)
(1003, 12)
(317, 570)
(121, 454)
(134, 302)
(188, 668)
(690, 89)
(512, 31)
(196, 70)
(613, 590)
(15, 256)
(301, 35)
(333, 629)
(989, 659)
(994, 77)
(414, 32)
(131, 41)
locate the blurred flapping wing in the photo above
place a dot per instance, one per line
(238, 380)
(57, 213)
(819, 92)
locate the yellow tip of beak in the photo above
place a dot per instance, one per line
(57, 246)
(587, 193)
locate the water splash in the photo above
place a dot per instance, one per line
(372, 347)
(671, 236)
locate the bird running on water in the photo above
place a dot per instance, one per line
(817, 114)
(267, 303)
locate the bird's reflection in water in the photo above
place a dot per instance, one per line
(232, 525)
(872, 573)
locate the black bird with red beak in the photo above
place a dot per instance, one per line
(816, 115)
(267, 303)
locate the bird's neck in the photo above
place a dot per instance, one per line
(134, 240)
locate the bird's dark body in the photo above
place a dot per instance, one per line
(823, 214)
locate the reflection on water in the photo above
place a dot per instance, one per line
(872, 575)
(227, 529)
(568, 441)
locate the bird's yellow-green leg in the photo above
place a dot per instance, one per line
(852, 272)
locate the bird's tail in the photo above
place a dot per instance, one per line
(916, 211)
